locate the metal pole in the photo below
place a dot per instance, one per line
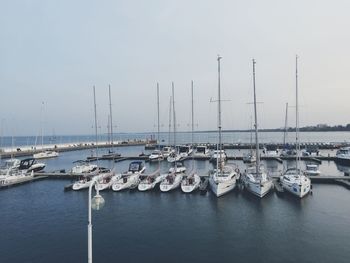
(192, 110)
(158, 114)
(219, 117)
(285, 126)
(169, 121)
(96, 139)
(296, 114)
(174, 120)
(110, 113)
(256, 125)
(90, 226)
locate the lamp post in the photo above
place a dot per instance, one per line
(96, 203)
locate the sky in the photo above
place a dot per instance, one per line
(53, 52)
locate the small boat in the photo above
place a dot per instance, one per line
(204, 184)
(190, 183)
(218, 154)
(185, 151)
(166, 151)
(171, 181)
(312, 169)
(82, 183)
(110, 156)
(150, 181)
(173, 157)
(30, 164)
(259, 183)
(202, 151)
(83, 167)
(156, 155)
(104, 181)
(295, 182)
(45, 155)
(131, 178)
(343, 155)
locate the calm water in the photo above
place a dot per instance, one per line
(182, 137)
(39, 222)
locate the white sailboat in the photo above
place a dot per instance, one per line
(255, 179)
(83, 167)
(131, 178)
(223, 178)
(294, 180)
(44, 154)
(150, 181)
(192, 181)
(173, 179)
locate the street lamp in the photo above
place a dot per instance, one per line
(96, 203)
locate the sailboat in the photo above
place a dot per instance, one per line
(294, 180)
(192, 181)
(44, 153)
(250, 157)
(111, 154)
(173, 179)
(255, 179)
(223, 178)
(131, 178)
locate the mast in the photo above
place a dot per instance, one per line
(110, 113)
(158, 114)
(192, 110)
(285, 126)
(42, 124)
(174, 120)
(96, 139)
(297, 114)
(219, 118)
(256, 125)
(169, 132)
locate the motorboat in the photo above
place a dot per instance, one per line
(259, 183)
(185, 151)
(83, 167)
(45, 155)
(166, 151)
(221, 154)
(179, 168)
(131, 178)
(156, 155)
(173, 157)
(148, 182)
(30, 164)
(343, 155)
(249, 157)
(190, 183)
(82, 183)
(312, 169)
(271, 150)
(296, 182)
(202, 151)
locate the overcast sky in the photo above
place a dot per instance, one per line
(55, 51)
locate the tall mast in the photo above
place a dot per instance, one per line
(158, 114)
(174, 120)
(219, 117)
(169, 133)
(192, 110)
(110, 113)
(285, 126)
(96, 139)
(297, 114)
(42, 124)
(256, 125)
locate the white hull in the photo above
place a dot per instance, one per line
(298, 189)
(222, 188)
(82, 184)
(45, 155)
(171, 159)
(126, 182)
(166, 186)
(84, 168)
(144, 185)
(257, 188)
(188, 187)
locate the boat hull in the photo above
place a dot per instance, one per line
(221, 188)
